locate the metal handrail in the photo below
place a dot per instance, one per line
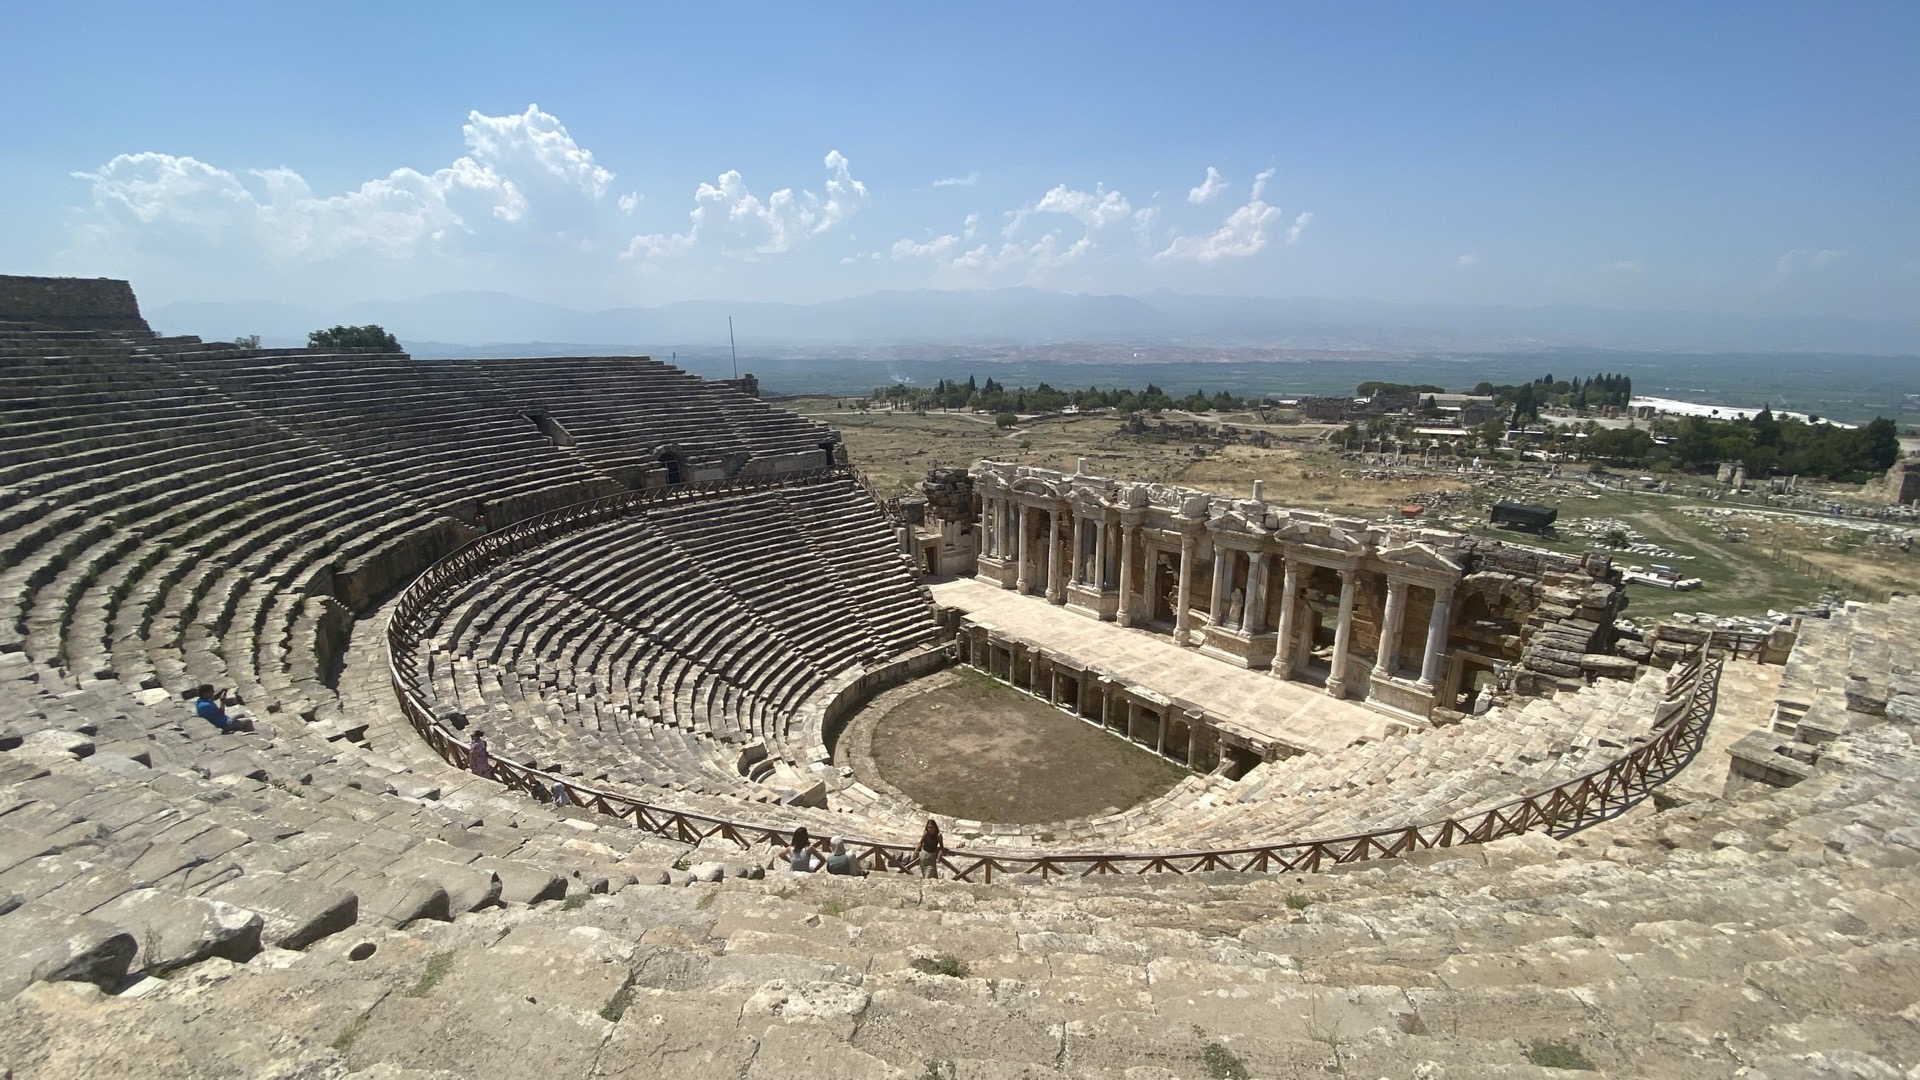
(1591, 797)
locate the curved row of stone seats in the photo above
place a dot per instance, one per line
(674, 649)
(440, 430)
(620, 411)
(1853, 667)
(1747, 937)
(198, 530)
(1423, 776)
(135, 838)
(157, 532)
(1427, 775)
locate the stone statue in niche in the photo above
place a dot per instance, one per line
(1235, 609)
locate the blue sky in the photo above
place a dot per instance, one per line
(1733, 158)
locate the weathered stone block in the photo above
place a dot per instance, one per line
(523, 884)
(296, 913)
(174, 930)
(43, 944)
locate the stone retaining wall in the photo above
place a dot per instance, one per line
(102, 304)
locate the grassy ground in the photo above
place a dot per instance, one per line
(977, 748)
(1747, 577)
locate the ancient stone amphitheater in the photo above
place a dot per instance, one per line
(662, 599)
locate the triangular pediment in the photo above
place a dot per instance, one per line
(1418, 556)
(1233, 521)
(1031, 485)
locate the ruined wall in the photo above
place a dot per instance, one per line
(364, 582)
(101, 304)
(1903, 482)
(1551, 613)
(948, 513)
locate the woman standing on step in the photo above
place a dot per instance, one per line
(479, 759)
(930, 849)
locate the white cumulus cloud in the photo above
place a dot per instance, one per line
(728, 212)
(1209, 188)
(968, 180)
(1804, 259)
(1095, 209)
(1245, 231)
(521, 171)
(941, 247)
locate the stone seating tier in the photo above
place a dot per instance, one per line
(171, 514)
(1761, 936)
(674, 648)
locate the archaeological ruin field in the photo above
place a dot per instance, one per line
(1252, 757)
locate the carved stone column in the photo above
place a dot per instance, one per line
(1124, 613)
(1026, 527)
(1100, 579)
(1079, 550)
(1436, 637)
(1181, 619)
(1342, 637)
(1256, 598)
(1056, 583)
(1217, 603)
(1289, 600)
(1396, 613)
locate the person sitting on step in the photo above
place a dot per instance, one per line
(209, 704)
(801, 858)
(839, 861)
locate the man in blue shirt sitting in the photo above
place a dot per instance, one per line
(208, 708)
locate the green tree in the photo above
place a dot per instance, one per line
(1005, 420)
(247, 341)
(369, 336)
(1880, 443)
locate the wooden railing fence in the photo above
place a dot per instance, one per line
(1681, 721)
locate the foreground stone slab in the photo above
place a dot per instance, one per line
(175, 930)
(468, 888)
(296, 913)
(396, 902)
(523, 884)
(41, 944)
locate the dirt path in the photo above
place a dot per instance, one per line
(1751, 577)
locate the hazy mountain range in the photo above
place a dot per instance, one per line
(451, 322)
